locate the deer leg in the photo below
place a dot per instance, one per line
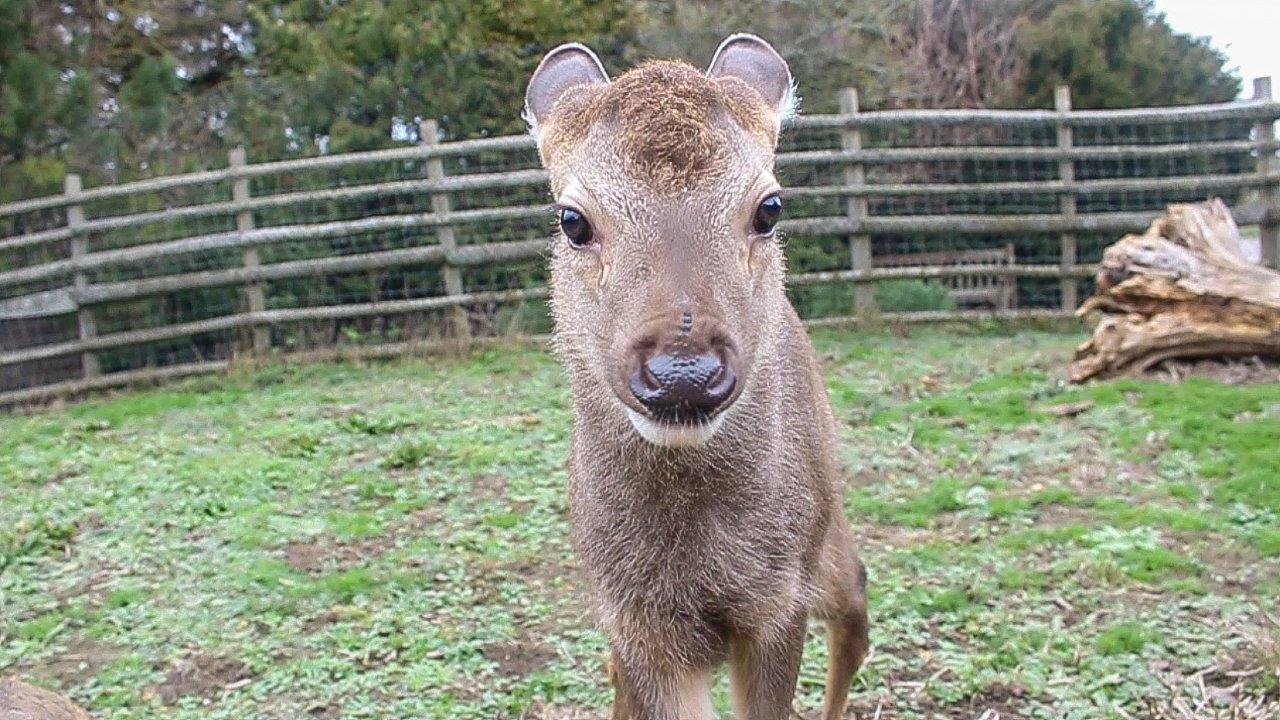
(646, 693)
(620, 710)
(846, 648)
(844, 608)
(763, 672)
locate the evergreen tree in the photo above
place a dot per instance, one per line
(1119, 53)
(145, 87)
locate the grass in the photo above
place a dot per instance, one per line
(390, 540)
(1126, 638)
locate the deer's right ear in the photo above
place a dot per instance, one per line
(566, 66)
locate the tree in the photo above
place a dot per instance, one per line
(356, 75)
(152, 86)
(41, 104)
(829, 45)
(144, 87)
(962, 53)
(1119, 53)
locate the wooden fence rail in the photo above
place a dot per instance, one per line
(870, 162)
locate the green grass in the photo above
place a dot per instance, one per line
(1125, 638)
(391, 540)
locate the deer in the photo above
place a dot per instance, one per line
(703, 481)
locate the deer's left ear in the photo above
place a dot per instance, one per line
(756, 63)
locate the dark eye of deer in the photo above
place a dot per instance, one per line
(767, 214)
(575, 227)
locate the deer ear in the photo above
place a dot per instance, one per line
(756, 63)
(564, 67)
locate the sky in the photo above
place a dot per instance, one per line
(1248, 31)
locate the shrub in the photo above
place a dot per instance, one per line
(912, 295)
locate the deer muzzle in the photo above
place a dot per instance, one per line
(683, 387)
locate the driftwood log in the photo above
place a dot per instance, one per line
(20, 701)
(1182, 289)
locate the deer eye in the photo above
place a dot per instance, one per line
(767, 214)
(575, 228)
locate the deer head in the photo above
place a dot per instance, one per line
(667, 275)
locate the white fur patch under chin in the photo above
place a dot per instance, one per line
(674, 436)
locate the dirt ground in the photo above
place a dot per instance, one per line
(390, 540)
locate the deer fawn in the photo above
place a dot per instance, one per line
(704, 488)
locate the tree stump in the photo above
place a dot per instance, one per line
(20, 701)
(1182, 289)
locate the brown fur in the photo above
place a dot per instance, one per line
(670, 119)
(721, 551)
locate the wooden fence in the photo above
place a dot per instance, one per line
(434, 242)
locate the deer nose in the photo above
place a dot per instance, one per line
(676, 386)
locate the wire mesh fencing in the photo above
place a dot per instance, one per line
(907, 214)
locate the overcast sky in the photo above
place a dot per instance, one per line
(1248, 31)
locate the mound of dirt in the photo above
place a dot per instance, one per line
(203, 676)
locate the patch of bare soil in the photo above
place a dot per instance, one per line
(317, 554)
(1233, 567)
(548, 572)
(85, 587)
(518, 658)
(305, 557)
(1051, 517)
(81, 660)
(489, 485)
(1227, 371)
(547, 578)
(57, 478)
(891, 537)
(324, 712)
(542, 711)
(1092, 471)
(314, 710)
(320, 620)
(203, 676)
(998, 701)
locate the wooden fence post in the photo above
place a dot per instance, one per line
(459, 325)
(1067, 201)
(79, 246)
(254, 297)
(1269, 231)
(855, 175)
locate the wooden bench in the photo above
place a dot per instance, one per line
(999, 292)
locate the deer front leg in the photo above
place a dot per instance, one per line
(843, 579)
(645, 692)
(620, 711)
(763, 672)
